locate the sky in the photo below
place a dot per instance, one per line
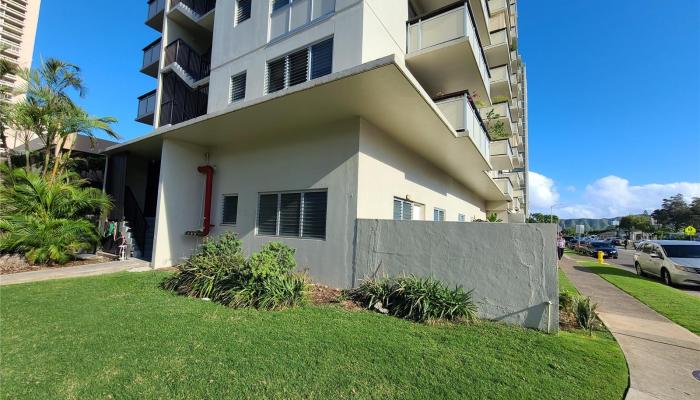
(613, 89)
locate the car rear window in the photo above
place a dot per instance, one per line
(600, 244)
(682, 251)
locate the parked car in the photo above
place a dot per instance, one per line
(617, 242)
(592, 249)
(674, 261)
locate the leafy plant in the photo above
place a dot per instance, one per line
(496, 127)
(219, 271)
(416, 299)
(585, 311)
(493, 218)
(46, 220)
(566, 301)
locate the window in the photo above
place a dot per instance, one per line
(289, 15)
(438, 214)
(461, 218)
(229, 212)
(237, 88)
(242, 10)
(406, 210)
(293, 68)
(293, 214)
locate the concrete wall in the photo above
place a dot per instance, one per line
(511, 267)
(388, 170)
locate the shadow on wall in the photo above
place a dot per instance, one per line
(510, 267)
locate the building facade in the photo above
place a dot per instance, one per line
(291, 119)
(18, 23)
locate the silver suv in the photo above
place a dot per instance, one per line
(674, 261)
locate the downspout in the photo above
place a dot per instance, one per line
(208, 170)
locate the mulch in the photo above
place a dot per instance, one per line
(13, 263)
(325, 295)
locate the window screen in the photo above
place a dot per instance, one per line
(237, 88)
(230, 210)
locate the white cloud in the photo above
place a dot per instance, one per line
(610, 196)
(571, 188)
(543, 193)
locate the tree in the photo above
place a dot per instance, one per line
(674, 213)
(539, 218)
(6, 68)
(694, 219)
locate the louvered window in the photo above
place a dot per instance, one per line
(230, 210)
(300, 66)
(297, 214)
(405, 210)
(462, 218)
(242, 10)
(438, 215)
(277, 4)
(237, 88)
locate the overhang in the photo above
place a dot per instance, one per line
(382, 92)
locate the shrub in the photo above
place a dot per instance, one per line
(584, 309)
(416, 299)
(220, 271)
(566, 300)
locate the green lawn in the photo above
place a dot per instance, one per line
(565, 284)
(120, 336)
(679, 307)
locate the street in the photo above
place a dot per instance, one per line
(626, 262)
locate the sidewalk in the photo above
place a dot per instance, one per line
(74, 272)
(660, 354)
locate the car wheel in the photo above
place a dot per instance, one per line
(666, 277)
(640, 272)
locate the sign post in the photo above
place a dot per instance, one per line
(690, 231)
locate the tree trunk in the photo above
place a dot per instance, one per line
(3, 145)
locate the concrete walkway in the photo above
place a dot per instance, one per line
(661, 355)
(74, 272)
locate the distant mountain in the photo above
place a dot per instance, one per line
(591, 224)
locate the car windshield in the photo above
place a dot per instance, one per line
(600, 244)
(682, 251)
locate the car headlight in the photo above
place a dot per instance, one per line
(684, 269)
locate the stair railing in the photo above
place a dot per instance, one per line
(137, 220)
(196, 65)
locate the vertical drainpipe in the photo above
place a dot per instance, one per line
(208, 170)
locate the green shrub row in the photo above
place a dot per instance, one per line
(220, 271)
(415, 299)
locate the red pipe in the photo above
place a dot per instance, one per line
(208, 170)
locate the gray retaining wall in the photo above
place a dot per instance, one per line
(510, 267)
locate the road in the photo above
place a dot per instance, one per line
(626, 262)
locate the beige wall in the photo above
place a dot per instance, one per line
(388, 170)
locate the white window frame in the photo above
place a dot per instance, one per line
(301, 214)
(439, 211)
(461, 217)
(416, 207)
(289, 31)
(223, 204)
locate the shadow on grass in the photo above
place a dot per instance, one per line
(606, 270)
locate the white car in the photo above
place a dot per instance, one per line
(677, 262)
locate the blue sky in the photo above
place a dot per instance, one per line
(614, 92)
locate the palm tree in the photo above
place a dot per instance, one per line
(6, 68)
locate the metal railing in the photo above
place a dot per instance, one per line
(461, 113)
(180, 102)
(136, 219)
(196, 65)
(200, 7)
(151, 54)
(154, 8)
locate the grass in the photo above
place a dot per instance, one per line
(565, 284)
(679, 307)
(121, 336)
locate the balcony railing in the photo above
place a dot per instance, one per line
(147, 107)
(200, 7)
(461, 114)
(151, 54)
(505, 186)
(435, 29)
(154, 8)
(195, 65)
(181, 103)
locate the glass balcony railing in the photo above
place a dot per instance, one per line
(151, 54)
(461, 114)
(147, 107)
(154, 8)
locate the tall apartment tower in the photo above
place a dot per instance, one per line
(18, 23)
(291, 119)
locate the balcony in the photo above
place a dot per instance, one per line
(501, 88)
(460, 112)
(147, 108)
(151, 58)
(498, 118)
(187, 63)
(518, 161)
(505, 186)
(501, 155)
(444, 54)
(179, 102)
(515, 60)
(515, 85)
(156, 11)
(478, 8)
(497, 6)
(194, 15)
(498, 53)
(516, 108)
(513, 37)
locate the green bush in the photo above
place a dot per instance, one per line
(585, 311)
(219, 271)
(416, 299)
(566, 300)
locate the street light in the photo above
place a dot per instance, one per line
(551, 211)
